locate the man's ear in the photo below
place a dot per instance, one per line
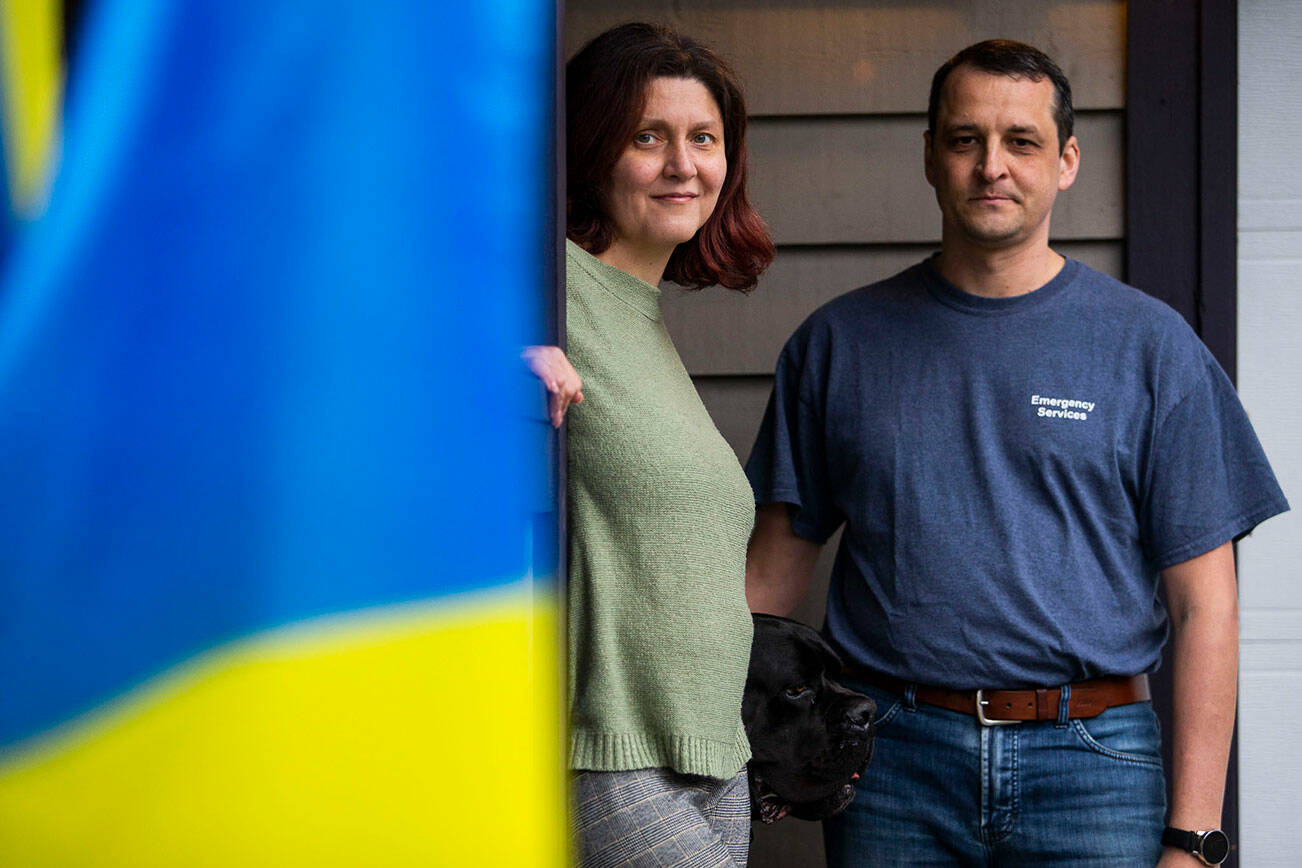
(928, 153)
(1068, 164)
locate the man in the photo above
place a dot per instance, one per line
(1019, 448)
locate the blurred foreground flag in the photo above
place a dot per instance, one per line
(268, 485)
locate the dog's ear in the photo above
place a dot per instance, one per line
(832, 660)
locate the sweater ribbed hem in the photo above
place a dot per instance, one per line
(685, 754)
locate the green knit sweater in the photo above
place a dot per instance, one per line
(660, 512)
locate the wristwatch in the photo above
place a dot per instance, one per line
(1211, 847)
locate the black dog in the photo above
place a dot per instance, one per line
(810, 737)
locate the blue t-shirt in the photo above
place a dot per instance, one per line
(1012, 473)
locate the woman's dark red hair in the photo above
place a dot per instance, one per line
(606, 86)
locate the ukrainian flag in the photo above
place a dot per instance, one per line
(276, 552)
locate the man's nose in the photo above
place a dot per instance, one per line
(993, 165)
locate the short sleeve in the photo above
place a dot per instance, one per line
(1208, 480)
(789, 463)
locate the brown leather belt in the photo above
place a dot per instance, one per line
(992, 707)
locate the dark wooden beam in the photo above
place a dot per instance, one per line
(1218, 141)
(556, 306)
(1162, 152)
(1181, 201)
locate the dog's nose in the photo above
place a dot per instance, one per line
(859, 715)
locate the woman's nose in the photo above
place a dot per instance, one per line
(679, 162)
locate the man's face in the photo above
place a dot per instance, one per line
(994, 159)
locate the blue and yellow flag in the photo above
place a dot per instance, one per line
(271, 496)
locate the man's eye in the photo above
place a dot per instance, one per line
(797, 691)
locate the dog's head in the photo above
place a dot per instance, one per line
(810, 737)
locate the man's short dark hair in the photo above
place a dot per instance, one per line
(1015, 60)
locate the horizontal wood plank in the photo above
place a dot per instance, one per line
(852, 58)
(860, 180)
(721, 332)
(737, 406)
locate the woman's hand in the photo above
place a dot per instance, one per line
(558, 375)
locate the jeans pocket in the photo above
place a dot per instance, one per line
(1128, 733)
(885, 719)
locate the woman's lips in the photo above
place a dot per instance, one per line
(679, 198)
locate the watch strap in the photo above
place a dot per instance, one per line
(1195, 843)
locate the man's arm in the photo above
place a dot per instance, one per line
(779, 564)
(1204, 610)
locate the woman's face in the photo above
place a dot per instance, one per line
(666, 183)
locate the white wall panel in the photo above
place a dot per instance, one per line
(1270, 384)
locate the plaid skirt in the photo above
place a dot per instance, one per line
(658, 818)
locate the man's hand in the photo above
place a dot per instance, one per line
(558, 376)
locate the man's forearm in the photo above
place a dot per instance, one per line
(779, 564)
(1205, 646)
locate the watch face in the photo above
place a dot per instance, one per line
(1214, 847)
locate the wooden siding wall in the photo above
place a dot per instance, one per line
(838, 96)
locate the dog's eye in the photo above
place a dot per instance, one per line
(798, 691)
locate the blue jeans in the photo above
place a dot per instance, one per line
(944, 790)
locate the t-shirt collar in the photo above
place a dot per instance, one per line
(949, 294)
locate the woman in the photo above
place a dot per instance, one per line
(660, 511)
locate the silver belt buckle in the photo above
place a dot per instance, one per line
(981, 703)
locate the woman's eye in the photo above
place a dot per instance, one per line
(644, 138)
(703, 139)
(797, 691)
